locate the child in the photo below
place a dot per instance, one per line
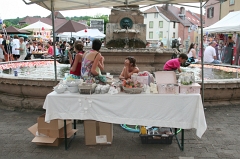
(174, 64)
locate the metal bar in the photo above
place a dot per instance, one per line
(182, 145)
(74, 125)
(202, 62)
(27, 3)
(65, 135)
(231, 56)
(182, 140)
(205, 3)
(54, 40)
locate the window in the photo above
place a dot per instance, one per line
(160, 34)
(151, 24)
(210, 12)
(155, 15)
(231, 2)
(145, 15)
(160, 24)
(174, 24)
(150, 35)
(173, 35)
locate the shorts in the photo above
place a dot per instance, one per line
(16, 56)
(1, 54)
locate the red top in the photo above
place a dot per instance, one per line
(77, 72)
(172, 64)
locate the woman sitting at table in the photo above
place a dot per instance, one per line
(76, 62)
(91, 61)
(129, 68)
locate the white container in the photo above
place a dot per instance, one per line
(168, 88)
(190, 89)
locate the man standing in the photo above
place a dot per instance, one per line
(1, 48)
(15, 46)
(22, 49)
(210, 54)
(7, 49)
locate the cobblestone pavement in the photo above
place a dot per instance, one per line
(221, 140)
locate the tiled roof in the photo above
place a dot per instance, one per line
(190, 17)
(31, 20)
(166, 13)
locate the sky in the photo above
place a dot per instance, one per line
(11, 9)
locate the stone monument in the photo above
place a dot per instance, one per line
(125, 28)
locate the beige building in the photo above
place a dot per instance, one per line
(229, 6)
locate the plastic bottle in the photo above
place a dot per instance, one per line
(143, 130)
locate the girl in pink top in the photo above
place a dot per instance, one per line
(174, 64)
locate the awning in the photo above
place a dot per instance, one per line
(60, 5)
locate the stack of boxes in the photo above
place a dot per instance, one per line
(50, 134)
(167, 84)
(96, 132)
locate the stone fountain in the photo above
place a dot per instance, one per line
(125, 28)
(125, 36)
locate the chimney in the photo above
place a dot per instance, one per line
(166, 6)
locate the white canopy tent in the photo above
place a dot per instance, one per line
(230, 23)
(93, 33)
(86, 33)
(60, 5)
(37, 26)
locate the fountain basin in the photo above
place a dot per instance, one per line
(30, 93)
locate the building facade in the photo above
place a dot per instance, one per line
(229, 6)
(212, 12)
(161, 26)
(189, 22)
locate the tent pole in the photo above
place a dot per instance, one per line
(202, 62)
(54, 41)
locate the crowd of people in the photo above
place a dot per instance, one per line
(213, 50)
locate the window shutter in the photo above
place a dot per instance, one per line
(212, 11)
(208, 13)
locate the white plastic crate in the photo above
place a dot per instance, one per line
(190, 89)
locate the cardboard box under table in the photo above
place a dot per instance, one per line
(96, 132)
(50, 134)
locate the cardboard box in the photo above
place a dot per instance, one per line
(96, 132)
(190, 89)
(41, 139)
(58, 132)
(54, 124)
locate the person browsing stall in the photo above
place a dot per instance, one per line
(129, 68)
(192, 56)
(76, 62)
(210, 54)
(91, 60)
(174, 64)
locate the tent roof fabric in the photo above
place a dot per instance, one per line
(85, 4)
(230, 23)
(36, 26)
(70, 26)
(13, 30)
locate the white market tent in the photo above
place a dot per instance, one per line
(86, 33)
(60, 5)
(230, 23)
(37, 26)
(93, 33)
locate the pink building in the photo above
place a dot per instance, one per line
(212, 12)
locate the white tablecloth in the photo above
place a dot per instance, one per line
(165, 110)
